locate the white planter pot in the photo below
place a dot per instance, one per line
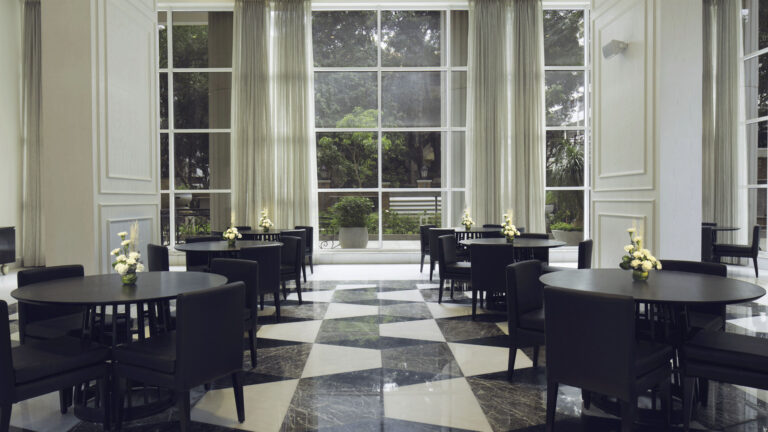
(353, 238)
(572, 238)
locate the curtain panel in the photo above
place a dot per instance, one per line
(273, 156)
(505, 112)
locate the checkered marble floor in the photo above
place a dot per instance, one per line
(385, 356)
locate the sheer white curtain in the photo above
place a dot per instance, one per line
(32, 235)
(274, 161)
(723, 114)
(505, 112)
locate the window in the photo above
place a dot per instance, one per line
(566, 59)
(195, 76)
(755, 25)
(390, 118)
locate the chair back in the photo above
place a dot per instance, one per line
(590, 340)
(524, 291)
(755, 240)
(7, 376)
(709, 268)
(585, 254)
(493, 234)
(541, 236)
(241, 270)
(424, 237)
(434, 242)
(706, 243)
(446, 254)
(300, 233)
(710, 224)
(291, 252)
(309, 243)
(243, 228)
(30, 313)
(157, 258)
(209, 334)
(199, 258)
(268, 258)
(489, 262)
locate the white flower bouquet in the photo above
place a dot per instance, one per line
(264, 223)
(639, 260)
(231, 234)
(508, 229)
(466, 220)
(127, 259)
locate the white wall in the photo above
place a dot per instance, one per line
(10, 117)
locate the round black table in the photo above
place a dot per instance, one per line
(477, 229)
(661, 287)
(527, 243)
(223, 246)
(271, 231)
(724, 228)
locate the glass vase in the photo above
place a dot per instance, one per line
(129, 279)
(639, 275)
(510, 240)
(467, 227)
(231, 243)
(265, 229)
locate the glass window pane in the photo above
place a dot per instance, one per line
(565, 207)
(402, 214)
(565, 158)
(757, 209)
(411, 99)
(755, 25)
(459, 31)
(344, 38)
(563, 37)
(329, 224)
(346, 99)
(458, 159)
(164, 162)
(200, 213)
(164, 100)
(565, 98)
(458, 204)
(347, 160)
(458, 99)
(411, 159)
(202, 39)
(165, 220)
(756, 86)
(411, 38)
(162, 38)
(201, 161)
(757, 150)
(201, 100)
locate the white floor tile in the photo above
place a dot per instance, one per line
(344, 310)
(313, 296)
(420, 329)
(757, 324)
(423, 286)
(265, 406)
(448, 310)
(333, 359)
(354, 286)
(405, 295)
(504, 326)
(41, 414)
(448, 403)
(302, 331)
(479, 359)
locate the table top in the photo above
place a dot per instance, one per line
(271, 231)
(724, 228)
(475, 229)
(108, 288)
(530, 243)
(223, 246)
(662, 286)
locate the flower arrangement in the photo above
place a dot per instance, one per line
(466, 220)
(127, 260)
(508, 229)
(264, 221)
(231, 235)
(638, 259)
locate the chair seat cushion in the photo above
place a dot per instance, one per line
(651, 355)
(39, 359)
(157, 353)
(728, 349)
(55, 327)
(532, 320)
(725, 249)
(460, 267)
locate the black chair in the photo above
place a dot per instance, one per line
(707, 240)
(302, 234)
(450, 267)
(247, 272)
(199, 351)
(702, 316)
(584, 259)
(243, 228)
(424, 243)
(591, 345)
(268, 258)
(290, 263)
(541, 254)
(198, 261)
(489, 262)
(525, 310)
(720, 250)
(40, 322)
(434, 245)
(498, 234)
(710, 224)
(157, 258)
(309, 249)
(40, 367)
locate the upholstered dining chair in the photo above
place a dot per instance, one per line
(38, 321)
(525, 310)
(268, 258)
(290, 263)
(434, 244)
(450, 267)
(424, 243)
(157, 258)
(302, 234)
(493, 234)
(720, 250)
(488, 263)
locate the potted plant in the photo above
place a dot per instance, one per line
(352, 215)
(568, 233)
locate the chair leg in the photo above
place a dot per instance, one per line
(687, 402)
(440, 291)
(252, 346)
(628, 410)
(277, 306)
(431, 268)
(666, 402)
(261, 301)
(754, 260)
(298, 288)
(536, 356)
(65, 399)
(311, 266)
(511, 362)
(119, 401)
(5, 417)
(452, 283)
(421, 269)
(551, 405)
(474, 303)
(182, 403)
(703, 391)
(304, 270)
(285, 291)
(586, 397)
(237, 386)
